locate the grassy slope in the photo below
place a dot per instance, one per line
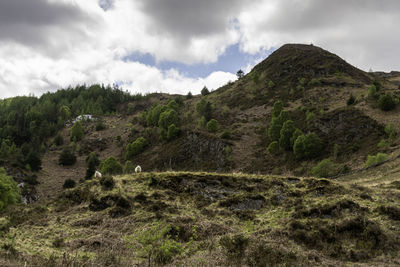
(208, 218)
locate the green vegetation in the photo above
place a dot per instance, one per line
(92, 162)
(386, 102)
(67, 157)
(8, 190)
(351, 100)
(69, 183)
(307, 146)
(212, 126)
(205, 91)
(110, 166)
(278, 107)
(391, 131)
(129, 167)
(173, 132)
(375, 160)
(286, 134)
(136, 147)
(204, 109)
(372, 91)
(273, 148)
(325, 168)
(58, 140)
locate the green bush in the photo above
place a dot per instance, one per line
(286, 134)
(111, 166)
(212, 126)
(8, 190)
(205, 91)
(382, 144)
(273, 148)
(307, 146)
(204, 109)
(58, 140)
(351, 100)
(372, 91)
(67, 157)
(386, 102)
(69, 183)
(325, 168)
(107, 182)
(295, 134)
(226, 134)
(310, 116)
(136, 147)
(167, 118)
(129, 167)
(92, 162)
(76, 132)
(271, 84)
(100, 125)
(173, 132)
(274, 129)
(201, 124)
(189, 95)
(278, 107)
(390, 130)
(375, 160)
(153, 116)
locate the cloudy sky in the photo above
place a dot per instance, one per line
(178, 46)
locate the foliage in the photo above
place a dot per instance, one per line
(136, 147)
(375, 160)
(274, 129)
(189, 95)
(173, 132)
(310, 116)
(205, 91)
(307, 146)
(76, 132)
(271, 84)
(92, 162)
(390, 130)
(226, 134)
(107, 182)
(204, 109)
(382, 144)
(212, 126)
(351, 100)
(153, 115)
(67, 157)
(168, 117)
(278, 107)
(295, 134)
(286, 134)
(372, 91)
(58, 140)
(273, 148)
(8, 190)
(235, 247)
(129, 167)
(110, 166)
(325, 168)
(335, 151)
(100, 125)
(201, 124)
(69, 183)
(386, 102)
(240, 74)
(34, 161)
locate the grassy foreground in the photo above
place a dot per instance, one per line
(206, 219)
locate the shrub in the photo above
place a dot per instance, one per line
(100, 125)
(189, 95)
(107, 182)
(382, 144)
(173, 132)
(390, 130)
(69, 183)
(307, 146)
(167, 118)
(205, 91)
(351, 100)
(76, 132)
(136, 147)
(271, 84)
(212, 126)
(310, 116)
(325, 168)
(375, 160)
(278, 107)
(273, 148)
(203, 108)
(226, 134)
(295, 134)
(372, 91)
(129, 167)
(67, 157)
(111, 166)
(8, 190)
(58, 140)
(386, 102)
(286, 134)
(34, 161)
(92, 162)
(201, 124)
(274, 130)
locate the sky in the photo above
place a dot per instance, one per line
(177, 46)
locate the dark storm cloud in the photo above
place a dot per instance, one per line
(28, 21)
(190, 17)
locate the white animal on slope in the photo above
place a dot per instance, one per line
(97, 174)
(138, 169)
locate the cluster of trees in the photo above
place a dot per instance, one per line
(8, 190)
(204, 110)
(385, 101)
(26, 121)
(284, 135)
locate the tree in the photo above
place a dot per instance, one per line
(8, 190)
(111, 166)
(296, 134)
(76, 132)
(274, 129)
(205, 91)
(240, 74)
(307, 146)
(167, 118)
(136, 147)
(212, 126)
(92, 162)
(34, 161)
(386, 102)
(286, 134)
(273, 148)
(67, 157)
(203, 108)
(58, 140)
(173, 132)
(189, 95)
(325, 168)
(129, 167)
(278, 107)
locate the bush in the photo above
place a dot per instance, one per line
(325, 168)
(189, 95)
(286, 134)
(205, 91)
(76, 132)
(173, 132)
(274, 129)
(212, 126)
(375, 160)
(100, 125)
(386, 102)
(226, 134)
(307, 146)
(111, 166)
(295, 134)
(372, 91)
(390, 130)
(273, 148)
(34, 161)
(92, 162)
(204, 109)
(271, 84)
(67, 157)
(278, 107)
(351, 100)
(129, 167)
(201, 124)
(107, 182)
(69, 183)
(167, 118)
(382, 144)
(136, 147)
(8, 190)
(58, 140)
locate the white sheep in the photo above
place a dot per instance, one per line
(138, 169)
(97, 174)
